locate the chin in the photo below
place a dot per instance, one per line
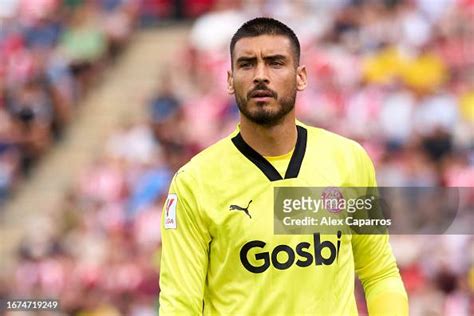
(264, 104)
(265, 117)
(264, 111)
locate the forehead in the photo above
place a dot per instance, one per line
(263, 45)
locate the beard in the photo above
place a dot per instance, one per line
(264, 113)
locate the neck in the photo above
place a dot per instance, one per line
(275, 140)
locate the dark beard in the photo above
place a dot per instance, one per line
(263, 116)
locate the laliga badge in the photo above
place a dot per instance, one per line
(170, 211)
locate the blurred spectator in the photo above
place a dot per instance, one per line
(9, 155)
(83, 44)
(165, 104)
(212, 31)
(32, 109)
(396, 116)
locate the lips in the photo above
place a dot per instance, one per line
(261, 94)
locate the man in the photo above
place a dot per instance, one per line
(220, 254)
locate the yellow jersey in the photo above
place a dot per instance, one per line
(220, 255)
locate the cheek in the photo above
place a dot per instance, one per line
(285, 83)
(240, 84)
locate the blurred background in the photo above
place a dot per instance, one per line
(102, 101)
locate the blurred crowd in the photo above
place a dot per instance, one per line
(51, 53)
(397, 76)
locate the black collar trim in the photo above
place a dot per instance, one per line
(266, 167)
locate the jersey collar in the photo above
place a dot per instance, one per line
(266, 167)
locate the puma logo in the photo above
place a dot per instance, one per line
(234, 207)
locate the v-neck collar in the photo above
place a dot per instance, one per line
(265, 166)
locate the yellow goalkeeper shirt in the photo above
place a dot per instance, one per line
(220, 255)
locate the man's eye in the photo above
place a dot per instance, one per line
(276, 63)
(245, 65)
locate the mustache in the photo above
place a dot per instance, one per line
(259, 88)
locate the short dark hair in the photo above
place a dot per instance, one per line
(266, 26)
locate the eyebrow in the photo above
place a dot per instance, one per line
(269, 57)
(245, 59)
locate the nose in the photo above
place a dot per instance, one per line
(261, 75)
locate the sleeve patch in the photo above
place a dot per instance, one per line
(170, 211)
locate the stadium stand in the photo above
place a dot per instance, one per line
(51, 52)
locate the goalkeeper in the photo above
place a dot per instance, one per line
(220, 255)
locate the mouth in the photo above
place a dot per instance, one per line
(261, 95)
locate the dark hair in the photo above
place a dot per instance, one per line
(266, 26)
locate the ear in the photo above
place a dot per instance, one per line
(230, 82)
(301, 78)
